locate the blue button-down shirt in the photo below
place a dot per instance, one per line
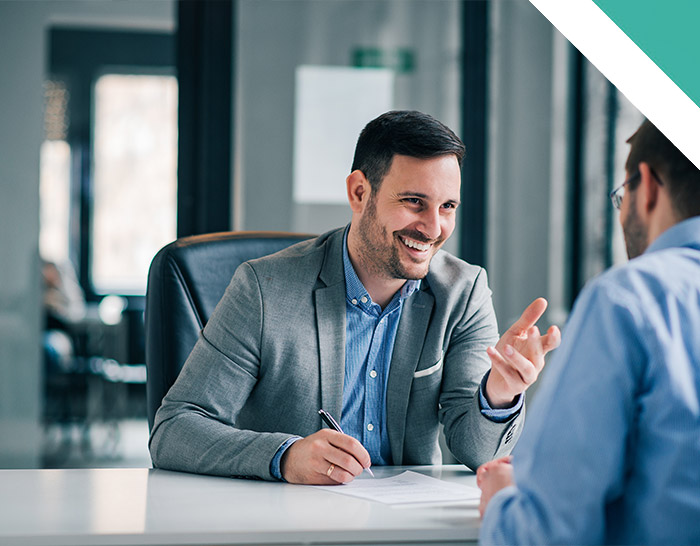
(369, 344)
(610, 453)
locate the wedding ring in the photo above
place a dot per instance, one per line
(330, 470)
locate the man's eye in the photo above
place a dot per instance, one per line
(449, 206)
(412, 200)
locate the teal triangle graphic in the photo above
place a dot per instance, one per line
(667, 31)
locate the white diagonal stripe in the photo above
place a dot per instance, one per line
(620, 60)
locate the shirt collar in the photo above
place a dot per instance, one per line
(685, 233)
(355, 290)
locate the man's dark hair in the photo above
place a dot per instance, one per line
(402, 132)
(676, 171)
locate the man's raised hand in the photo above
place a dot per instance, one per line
(518, 357)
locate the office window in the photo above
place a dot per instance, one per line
(135, 178)
(54, 185)
(54, 190)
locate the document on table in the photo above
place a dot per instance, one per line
(408, 487)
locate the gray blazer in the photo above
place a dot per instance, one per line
(273, 353)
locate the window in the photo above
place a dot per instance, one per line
(54, 192)
(109, 197)
(134, 177)
(54, 186)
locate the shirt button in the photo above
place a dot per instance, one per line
(354, 301)
(373, 374)
(363, 299)
(370, 427)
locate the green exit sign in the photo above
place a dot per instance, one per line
(401, 59)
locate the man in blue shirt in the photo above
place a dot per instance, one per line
(611, 450)
(371, 322)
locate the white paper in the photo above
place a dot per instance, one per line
(333, 104)
(408, 487)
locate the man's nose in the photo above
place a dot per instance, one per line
(430, 223)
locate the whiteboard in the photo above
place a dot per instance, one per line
(332, 106)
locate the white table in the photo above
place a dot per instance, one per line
(147, 506)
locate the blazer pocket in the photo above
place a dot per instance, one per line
(435, 368)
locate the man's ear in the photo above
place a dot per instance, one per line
(648, 191)
(359, 190)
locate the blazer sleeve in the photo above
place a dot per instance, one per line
(472, 437)
(194, 429)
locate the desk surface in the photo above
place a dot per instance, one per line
(147, 506)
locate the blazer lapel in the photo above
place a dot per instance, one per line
(330, 325)
(408, 346)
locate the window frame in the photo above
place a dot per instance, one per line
(78, 57)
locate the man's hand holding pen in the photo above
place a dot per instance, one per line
(326, 457)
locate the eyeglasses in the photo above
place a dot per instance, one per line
(618, 193)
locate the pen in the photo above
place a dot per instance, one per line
(328, 419)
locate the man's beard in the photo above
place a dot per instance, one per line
(383, 259)
(635, 232)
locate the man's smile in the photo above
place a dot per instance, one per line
(416, 245)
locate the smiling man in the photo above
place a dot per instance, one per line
(371, 322)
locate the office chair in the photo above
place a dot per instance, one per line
(186, 280)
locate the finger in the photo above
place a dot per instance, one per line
(481, 473)
(511, 374)
(337, 474)
(525, 368)
(515, 368)
(488, 466)
(346, 462)
(499, 364)
(551, 339)
(503, 462)
(323, 450)
(532, 346)
(533, 333)
(352, 448)
(507, 459)
(480, 477)
(530, 316)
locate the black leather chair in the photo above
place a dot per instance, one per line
(186, 280)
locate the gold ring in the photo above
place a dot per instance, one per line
(330, 470)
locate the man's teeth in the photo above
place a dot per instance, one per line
(415, 244)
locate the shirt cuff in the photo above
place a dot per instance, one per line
(275, 464)
(497, 415)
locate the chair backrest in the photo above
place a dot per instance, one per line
(186, 280)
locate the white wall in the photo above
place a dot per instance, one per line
(23, 55)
